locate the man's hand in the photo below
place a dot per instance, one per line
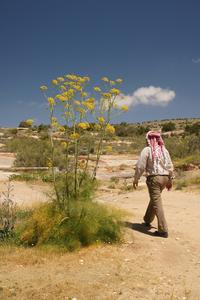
(169, 185)
(135, 184)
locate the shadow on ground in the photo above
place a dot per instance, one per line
(141, 227)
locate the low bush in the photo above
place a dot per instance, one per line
(183, 146)
(34, 153)
(187, 182)
(169, 126)
(86, 223)
(191, 159)
(32, 177)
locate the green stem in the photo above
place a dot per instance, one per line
(101, 142)
(86, 165)
(53, 160)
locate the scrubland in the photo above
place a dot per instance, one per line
(124, 261)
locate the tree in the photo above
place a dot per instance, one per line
(26, 123)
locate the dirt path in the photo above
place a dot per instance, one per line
(142, 267)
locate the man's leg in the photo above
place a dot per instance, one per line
(156, 185)
(149, 214)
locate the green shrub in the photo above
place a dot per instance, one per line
(193, 129)
(114, 179)
(191, 159)
(86, 224)
(186, 182)
(181, 184)
(183, 146)
(37, 176)
(169, 126)
(34, 153)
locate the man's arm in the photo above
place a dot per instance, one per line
(140, 166)
(169, 166)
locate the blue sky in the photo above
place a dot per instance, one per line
(153, 45)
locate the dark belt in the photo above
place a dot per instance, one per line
(154, 175)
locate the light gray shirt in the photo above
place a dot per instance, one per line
(164, 165)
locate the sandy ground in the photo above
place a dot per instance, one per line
(23, 194)
(142, 267)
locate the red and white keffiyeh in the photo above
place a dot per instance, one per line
(156, 143)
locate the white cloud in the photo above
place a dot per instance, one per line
(196, 61)
(148, 96)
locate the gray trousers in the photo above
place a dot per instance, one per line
(156, 184)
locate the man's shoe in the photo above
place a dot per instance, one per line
(161, 234)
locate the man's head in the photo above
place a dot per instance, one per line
(155, 141)
(154, 137)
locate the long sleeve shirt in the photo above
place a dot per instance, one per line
(146, 164)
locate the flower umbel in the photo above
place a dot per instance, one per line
(110, 129)
(51, 101)
(43, 88)
(83, 125)
(124, 107)
(75, 136)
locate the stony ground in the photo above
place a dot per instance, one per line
(141, 267)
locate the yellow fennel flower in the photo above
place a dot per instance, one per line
(61, 97)
(124, 107)
(63, 87)
(61, 79)
(83, 125)
(78, 88)
(115, 91)
(97, 89)
(64, 145)
(71, 77)
(77, 102)
(74, 136)
(101, 120)
(43, 88)
(61, 128)
(50, 164)
(106, 95)
(110, 129)
(112, 82)
(29, 122)
(51, 101)
(86, 78)
(54, 82)
(90, 100)
(65, 94)
(54, 122)
(81, 80)
(53, 119)
(89, 105)
(84, 94)
(82, 111)
(97, 127)
(119, 80)
(70, 92)
(105, 79)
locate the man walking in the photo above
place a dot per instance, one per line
(156, 162)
